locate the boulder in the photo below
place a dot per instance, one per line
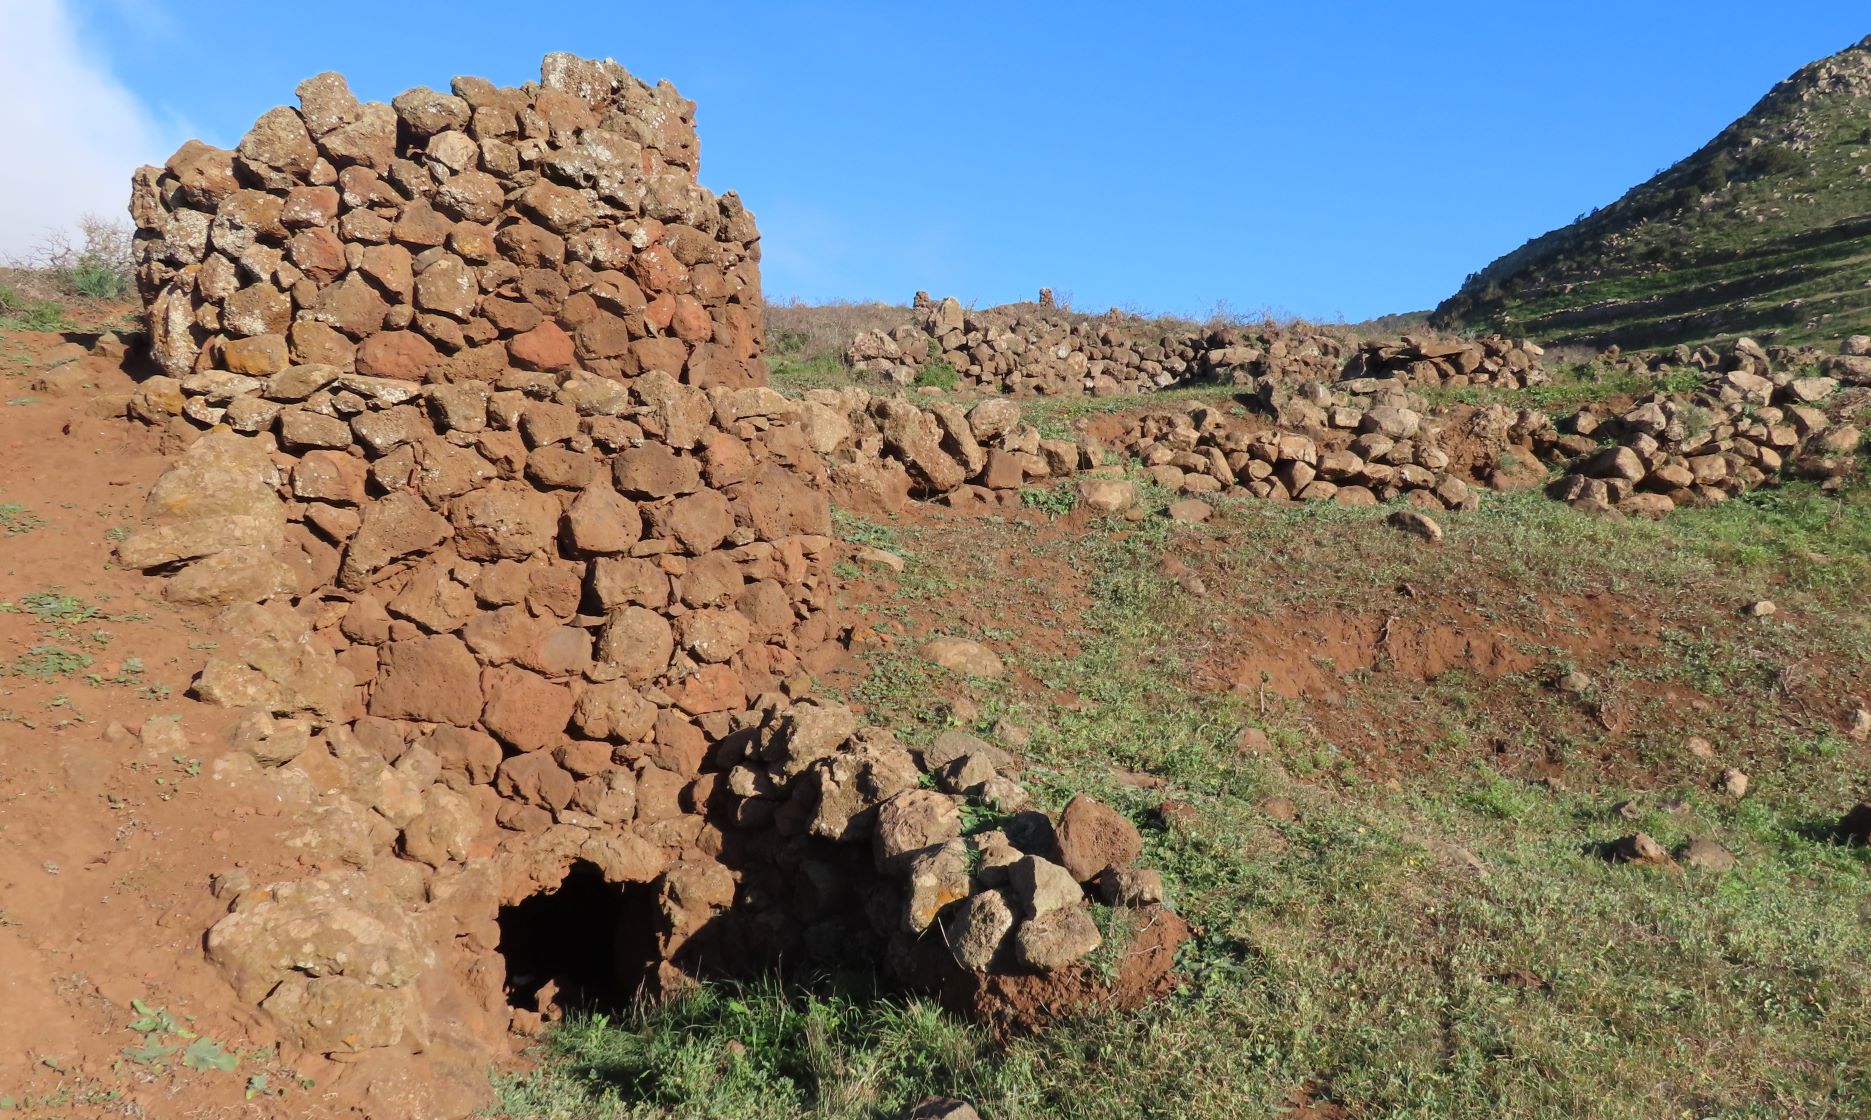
(1092, 836)
(964, 656)
(1056, 939)
(976, 930)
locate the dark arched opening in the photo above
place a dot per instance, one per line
(586, 945)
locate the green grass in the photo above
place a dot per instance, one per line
(1450, 944)
(758, 1052)
(937, 375)
(1572, 386)
(18, 313)
(794, 375)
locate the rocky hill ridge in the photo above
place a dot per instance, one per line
(1762, 231)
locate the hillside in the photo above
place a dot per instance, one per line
(1765, 231)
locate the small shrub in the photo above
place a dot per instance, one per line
(1716, 173)
(803, 333)
(43, 315)
(940, 375)
(1775, 159)
(1055, 501)
(99, 280)
(99, 266)
(1685, 380)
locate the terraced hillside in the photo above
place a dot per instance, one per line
(1765, 231)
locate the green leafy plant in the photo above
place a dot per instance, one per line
(937, 375)
(16, 519)
(207, 1054)
(1054, 501)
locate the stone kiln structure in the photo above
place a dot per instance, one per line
(525, 575)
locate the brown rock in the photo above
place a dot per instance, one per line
(318, 344)
(962, 655)
(430, 679)
(261, 309)
(1056, 939)
(524, 710)
(391, 268)
(1416, 524)
(656, 471)
(614, 710)
(277, 151)
(560, 209)
(529, 246)
(504, 521)
(636, 644)
(394, 526)
(259, 355)
(471, 754)
(911, 821)
(712, 688)
(601, 521)
(1092, 836)
(204, 174)
(1190, 511)
(471, 196)
(318, 253)
(700, 521)
(368, 141)
(326, 103)
(351, 306)
(404, 355)
(713, 635)
(448, 287)
(545, 347)
(1706, 855)
(536, 779)
(1640, 848)
(329, 476)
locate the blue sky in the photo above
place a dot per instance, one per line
(1327, 159)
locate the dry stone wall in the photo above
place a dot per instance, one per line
(450, 236)
(1744, 428)
(522, 566)
(1036, 349)
(1497, 363)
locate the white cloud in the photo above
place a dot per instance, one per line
(73, 133)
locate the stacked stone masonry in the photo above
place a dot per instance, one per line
(1037, 349)
(521, 564)
(1746, 426)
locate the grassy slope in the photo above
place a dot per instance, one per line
(1764, 231)
(1357, 954)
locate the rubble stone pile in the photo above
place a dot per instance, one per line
(1739, 431)
(1498, 363)
(1376, 455)
(1037, 349)
(524, 569)
(1851, 364)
